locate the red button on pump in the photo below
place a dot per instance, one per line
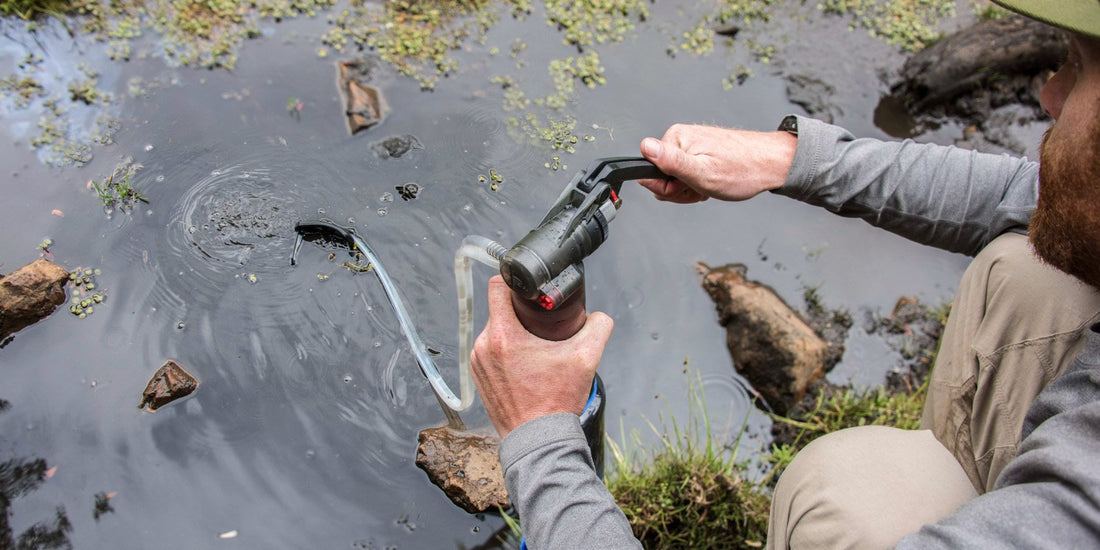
(546, 302)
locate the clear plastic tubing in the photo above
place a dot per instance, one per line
(490, 253)
(473, 247)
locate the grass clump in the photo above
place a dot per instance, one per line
(689, 493)
(33, 9)
(838, 408)
(116, 189)
(986, 10)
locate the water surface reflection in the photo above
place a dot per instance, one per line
(303, 431)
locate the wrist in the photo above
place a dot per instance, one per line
(778, 151)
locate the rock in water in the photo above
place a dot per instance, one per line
(364, 104)
(466, 466)
(29, 294)
(168, 384)
(396, 146)
(772, 346)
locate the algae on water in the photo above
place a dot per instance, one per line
(910, 25)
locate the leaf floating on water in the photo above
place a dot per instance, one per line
(57, 212)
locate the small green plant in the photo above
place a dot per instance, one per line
(103, 192)
(33, 9)
(117, 190)
(690, 492)
(127, 193)
(986, 11)
(513, 535)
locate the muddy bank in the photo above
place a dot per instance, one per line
(986, 76)
(912, 330)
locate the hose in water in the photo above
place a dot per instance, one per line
(482, 249)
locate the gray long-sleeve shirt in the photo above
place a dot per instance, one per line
(959, 200)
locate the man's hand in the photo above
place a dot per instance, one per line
(521, 376)
(727, 164)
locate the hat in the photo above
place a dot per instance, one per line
(1080, 16)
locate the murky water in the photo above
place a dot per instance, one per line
(303, 430)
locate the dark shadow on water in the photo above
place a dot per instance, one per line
(18, 477)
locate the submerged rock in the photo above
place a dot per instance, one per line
(29, 294)
(364, 104)
(395, 146)
(772, 346)
(168, 384)
(466, 466)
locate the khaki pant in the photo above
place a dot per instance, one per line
(1016, 324)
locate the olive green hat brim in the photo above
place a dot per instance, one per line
(1080, 16)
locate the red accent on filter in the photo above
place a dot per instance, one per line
(546, 302)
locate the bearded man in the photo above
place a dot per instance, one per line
(1009, 453)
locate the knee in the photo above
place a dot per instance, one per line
(866, 488)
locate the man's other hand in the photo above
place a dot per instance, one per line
(708, 161)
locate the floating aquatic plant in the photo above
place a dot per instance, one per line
(85, 295)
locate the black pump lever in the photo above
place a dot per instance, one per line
(573, 228)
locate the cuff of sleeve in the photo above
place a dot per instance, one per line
(817, 141)
(539, 433)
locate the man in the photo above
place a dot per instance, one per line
(1010, 451)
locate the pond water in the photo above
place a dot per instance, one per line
(303, 430)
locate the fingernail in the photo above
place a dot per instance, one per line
(651, 147)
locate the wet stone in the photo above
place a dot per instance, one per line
(29, 294)
(770, 343)
(168, 384)
(466, 466)
(364, 104)
(395, 146)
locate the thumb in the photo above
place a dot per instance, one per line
(596, 332)
(672, 160)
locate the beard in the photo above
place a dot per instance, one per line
(1065, 228)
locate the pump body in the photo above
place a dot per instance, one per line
(545, 269)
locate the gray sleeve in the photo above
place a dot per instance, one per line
(941, 196)
(553, 486)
